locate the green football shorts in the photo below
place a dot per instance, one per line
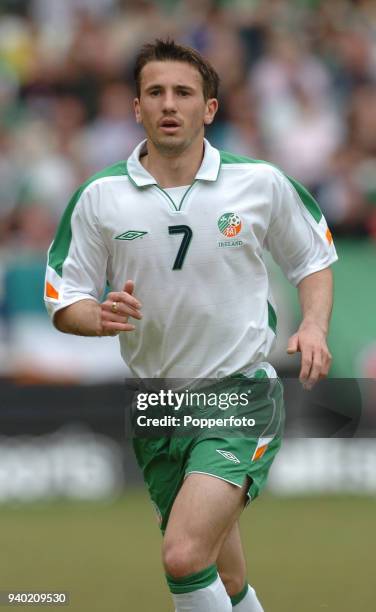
(167, 461)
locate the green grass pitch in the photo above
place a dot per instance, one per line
(312, 554)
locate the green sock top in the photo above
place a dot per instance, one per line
(240, 596)
(193, 582)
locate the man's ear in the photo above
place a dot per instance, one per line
(137, 110)
(211, 109)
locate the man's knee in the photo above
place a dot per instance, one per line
(182, 559)
(234, 583)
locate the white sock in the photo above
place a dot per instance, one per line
(249, 603)
(212, 598)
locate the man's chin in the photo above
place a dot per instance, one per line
(171, 144)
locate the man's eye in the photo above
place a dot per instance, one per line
(184, 93)
(155, 92)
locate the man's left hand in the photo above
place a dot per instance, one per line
(310, 341)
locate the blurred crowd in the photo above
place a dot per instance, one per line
(298, 89)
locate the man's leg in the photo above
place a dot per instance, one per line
(231, 562)
(203, 512)
(232, 570)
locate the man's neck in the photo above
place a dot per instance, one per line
(173, 171)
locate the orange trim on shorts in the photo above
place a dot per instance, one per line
(259, 452)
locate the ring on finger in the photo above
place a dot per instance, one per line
(114, 307)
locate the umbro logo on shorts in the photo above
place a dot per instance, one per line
(228, 455)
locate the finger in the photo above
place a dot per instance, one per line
(293, 344)
(129, 287)
(124, 298)
(122, 312)
(306, 365)
(109, 317)
(316, 369)
(327, 361)
(118, 327)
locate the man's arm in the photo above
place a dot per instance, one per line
(316, 301)
(88, 318)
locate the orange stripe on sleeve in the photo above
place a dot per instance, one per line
(51, 291)
(329, 236)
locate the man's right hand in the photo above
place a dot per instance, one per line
(116, 310)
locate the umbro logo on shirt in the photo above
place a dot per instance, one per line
(228, 455)
(130, 235)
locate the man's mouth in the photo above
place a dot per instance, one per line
(169, 125)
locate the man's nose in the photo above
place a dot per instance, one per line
(169, 102)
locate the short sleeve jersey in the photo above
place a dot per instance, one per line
(197, 265)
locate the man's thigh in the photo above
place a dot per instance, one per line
(202, 515)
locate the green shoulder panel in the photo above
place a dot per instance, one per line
(307, 199)
(230, 158)
(60, 246)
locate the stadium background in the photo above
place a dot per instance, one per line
(298, 89)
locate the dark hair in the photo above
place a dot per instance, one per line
(168, 50)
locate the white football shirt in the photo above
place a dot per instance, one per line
(197, 264)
